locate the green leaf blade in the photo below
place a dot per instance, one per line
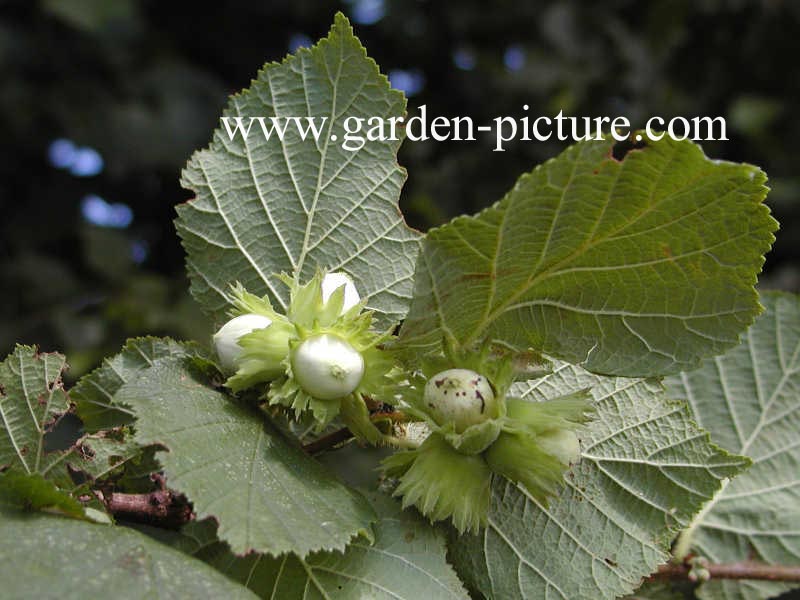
(407, 561)
(749, 399)
(82, 560)
(635, 267)
(266, 206)
(656, 590)
(31, 491)
(266, 493)
(94, 394)
(32, 397)
(119, 459)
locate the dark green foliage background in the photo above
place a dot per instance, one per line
(144, 83)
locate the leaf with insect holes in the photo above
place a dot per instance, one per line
(114, 457)
(32, 397)
(265, 206)
(749, 399)
(645, 470)
(634, 267)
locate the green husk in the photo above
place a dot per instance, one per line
(519, 458)
(266, 353)
(263, 353)
(442, 483)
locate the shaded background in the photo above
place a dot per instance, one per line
(103, 101)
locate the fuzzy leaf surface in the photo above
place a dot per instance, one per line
(645, 470)
(31, 491)
(264, 206)
(636, 267)
(749, 399)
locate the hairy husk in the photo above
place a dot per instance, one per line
(441, 482)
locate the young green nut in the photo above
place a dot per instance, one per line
(460, 396)
(226, 340)
(332, 282)
(327, 367)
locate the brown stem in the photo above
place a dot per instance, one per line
(162, 507)
(328, 441)
(740, 570)
(342, 435)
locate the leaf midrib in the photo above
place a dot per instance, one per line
(322, 161)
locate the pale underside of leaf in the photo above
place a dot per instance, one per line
(749, 399)
(645, 471)
(31, 398)
(269, 206)
(635, 267)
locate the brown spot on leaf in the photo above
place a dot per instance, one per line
(85, 451)
(134, 561)
(478, 276)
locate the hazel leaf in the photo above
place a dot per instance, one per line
(749, 399)
(634, 267)
(95, 393)
(406, 562)
(266, 206)
(45, 556)
(32, 397)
